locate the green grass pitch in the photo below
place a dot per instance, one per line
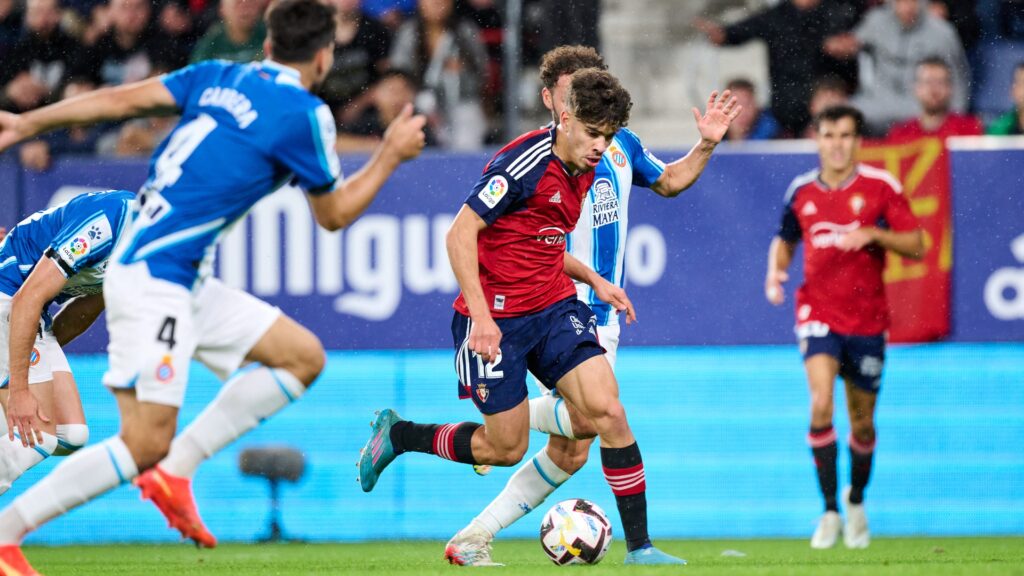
(910, 556)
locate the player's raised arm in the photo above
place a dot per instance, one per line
(42, 286)
(147, 97)
(403, 140)
(712, 125)
(461, 241)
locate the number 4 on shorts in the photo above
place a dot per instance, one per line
(166, 333)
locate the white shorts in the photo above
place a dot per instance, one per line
(608, 336)
(157, 327)
(47, 357)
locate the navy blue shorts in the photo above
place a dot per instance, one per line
(549, 344)
(861, 358)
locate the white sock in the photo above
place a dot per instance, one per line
(550, 415)
(78, 479)
(70, 438)
(526, 489)
(15, 458)
(242, 404)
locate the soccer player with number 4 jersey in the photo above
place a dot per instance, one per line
(847, 215)
(245, 129)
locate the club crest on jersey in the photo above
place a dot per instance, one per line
(165, 370)
(618, 158)
(856, 203)
(482, 392)
(809, 209)
(494, 191)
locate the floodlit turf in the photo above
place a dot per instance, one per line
(911, 556)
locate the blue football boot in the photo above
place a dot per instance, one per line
(649, 555)
(378, 452)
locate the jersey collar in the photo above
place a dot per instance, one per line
(286, 74)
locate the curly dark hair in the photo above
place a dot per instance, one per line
(563, 60)
(298, 28)
(596, 98)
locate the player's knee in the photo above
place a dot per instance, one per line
(147, 452)
(863, 430)
(71, 437)
(510, 456)
(821, 409)
(308, 358)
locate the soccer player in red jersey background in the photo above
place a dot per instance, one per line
(518, 309)
(847, 215)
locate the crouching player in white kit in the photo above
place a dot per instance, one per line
(598, 241)
(57, 256)
(244, 130)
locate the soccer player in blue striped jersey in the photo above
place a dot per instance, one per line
(244, 130)
(55, 256)
(598, 241)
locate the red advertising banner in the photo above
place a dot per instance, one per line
(919, 290)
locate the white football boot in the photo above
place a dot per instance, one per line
(855, 534)
(827, 533)
(470, 547)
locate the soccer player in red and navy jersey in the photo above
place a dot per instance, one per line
(847, 215)
(518, 309)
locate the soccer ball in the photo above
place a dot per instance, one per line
(575, 531)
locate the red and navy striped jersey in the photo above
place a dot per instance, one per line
(843, 290)
(530, 202)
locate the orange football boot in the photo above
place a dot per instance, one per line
(173, 496)
(14, 563)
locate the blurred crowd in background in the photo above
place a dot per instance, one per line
(907, 64)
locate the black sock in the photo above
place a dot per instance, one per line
(624, 471)
(449, 441)
(861, 456)
(823, 446)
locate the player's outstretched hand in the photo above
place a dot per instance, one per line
(617, 298)
(485, 339)
(10, 133)
(23, 411)
(405, 136)
(856, 239)
(3, 233)
(720, 112)
(773, 287)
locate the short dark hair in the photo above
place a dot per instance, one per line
(401, 74)
(299, 28)
(563, 60)
(935, 61)
(740, 84)
(596, 98)
(838, 112)
(830, 83)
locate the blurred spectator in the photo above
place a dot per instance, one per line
(123, 52)
(38, 154)
(176, 35)
(10, 24)
(933, 88)
(1012, 123)
(34, 70)
(753, 123)
(571, 23)
(487, 17)
(361, 48)
(238, 36)
(828, 91)
(386, 100)
(891, 40)
(962, 15)
(794, 32)
(445, 56)
(391, 13)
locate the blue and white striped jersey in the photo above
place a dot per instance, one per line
(599, 239)
(245, 130)
(78, 235)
